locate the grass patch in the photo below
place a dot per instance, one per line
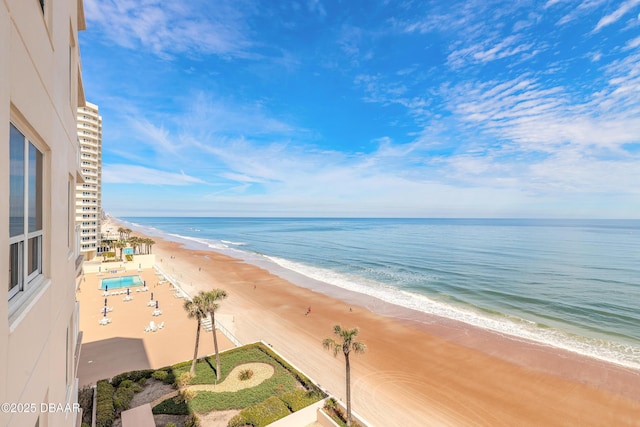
(274, 398)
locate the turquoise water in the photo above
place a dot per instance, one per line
(573, 284)
(121, 282)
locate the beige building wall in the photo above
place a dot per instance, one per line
(40, 90)
(89, 192)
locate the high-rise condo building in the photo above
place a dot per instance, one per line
(88, 193)
(40, 91)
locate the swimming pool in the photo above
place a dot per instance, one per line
(121, 282)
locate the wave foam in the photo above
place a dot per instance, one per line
(612, 352)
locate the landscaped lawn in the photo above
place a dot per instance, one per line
(284, 392)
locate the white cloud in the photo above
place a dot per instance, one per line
(583, 8)
(135, 174)
(488, 50)
(617, 14)
(168, 28)
(634, 43)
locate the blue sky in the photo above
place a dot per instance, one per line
(473, 108)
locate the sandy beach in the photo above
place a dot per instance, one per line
(421, 370)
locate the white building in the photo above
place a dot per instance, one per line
(40, 91)
(88, 193)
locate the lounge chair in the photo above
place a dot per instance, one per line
(161, 325)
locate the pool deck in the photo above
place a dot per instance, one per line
(123, 345)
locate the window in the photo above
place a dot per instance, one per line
(25, 212)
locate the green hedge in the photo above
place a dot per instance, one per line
(134, 376)
(124, 395)
(166, 375)
(262, 414)
(299, 399)
(105, 411)
(171, 407)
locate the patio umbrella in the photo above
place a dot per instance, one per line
(156, 304)
(105, 312)
(105, 302)
(106, 288)
(151, 296)
(128, 291)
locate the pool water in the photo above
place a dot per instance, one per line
(121, 282)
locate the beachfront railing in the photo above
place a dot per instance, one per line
(228, 334)
(176, 283)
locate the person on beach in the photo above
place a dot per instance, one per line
(308, 311)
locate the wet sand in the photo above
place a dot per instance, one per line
(421, 370)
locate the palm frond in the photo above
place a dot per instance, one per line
(358, 347)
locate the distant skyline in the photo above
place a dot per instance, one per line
(367, 109)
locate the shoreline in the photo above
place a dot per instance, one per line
(377, 305)
(613, 352)
(485, 376)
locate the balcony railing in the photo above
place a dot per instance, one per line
(79, 260)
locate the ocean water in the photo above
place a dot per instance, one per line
(573, 284)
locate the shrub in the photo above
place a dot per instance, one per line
(336, 413)
(170, 425)
(331, 403)
(133, 376)
(171, 406)
(299, 399)
(159, 375)
(122, 398)
(125, 383)
(185, 395)
(261, 414)
(184, 379)
(85, 399)
(124, 394)
(245, 374)
(165, 375)
(192, 421)
(105, 412)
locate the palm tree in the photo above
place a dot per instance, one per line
(135, 241)
(150, 242)
(127, 232)
(120, 244)
(210, 305)
(121, 231)
(194, 309)
(348, 344)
